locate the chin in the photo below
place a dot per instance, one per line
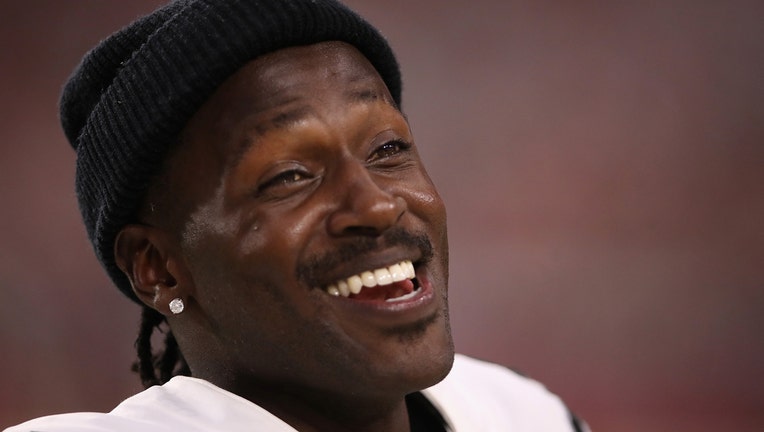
(429, 359)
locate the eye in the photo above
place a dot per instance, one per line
(389, 149)
(284, 179)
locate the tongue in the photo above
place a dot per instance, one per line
(384, 292)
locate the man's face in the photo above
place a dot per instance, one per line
(299, 176)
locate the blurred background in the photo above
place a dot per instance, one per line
(603, 167)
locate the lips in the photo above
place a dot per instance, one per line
(394, 283)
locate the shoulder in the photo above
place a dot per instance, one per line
(138, 412)
(79, 422)
(478, 395)
(184, 403)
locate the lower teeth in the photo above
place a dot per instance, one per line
(404, 297)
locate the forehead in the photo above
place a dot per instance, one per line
(305, 72)
(282, 87)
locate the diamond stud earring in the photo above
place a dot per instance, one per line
(176, 306)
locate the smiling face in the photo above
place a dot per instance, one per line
(298, 184)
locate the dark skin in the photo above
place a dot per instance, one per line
(299, 171)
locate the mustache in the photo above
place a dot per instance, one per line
(311, 270)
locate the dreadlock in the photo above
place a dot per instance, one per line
(157, 368)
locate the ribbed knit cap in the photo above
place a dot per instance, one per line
(131, 96)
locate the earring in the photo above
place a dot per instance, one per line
(176, 306)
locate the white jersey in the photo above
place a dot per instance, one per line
(475, 396)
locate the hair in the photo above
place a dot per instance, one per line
(156, 368)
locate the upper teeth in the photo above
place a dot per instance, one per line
(381, 276)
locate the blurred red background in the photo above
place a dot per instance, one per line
(603, 166)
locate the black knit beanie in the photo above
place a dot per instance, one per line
(131, 96)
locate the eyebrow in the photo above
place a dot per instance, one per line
(285, 119)
(369, 95)
(282, 120)
(290, 117)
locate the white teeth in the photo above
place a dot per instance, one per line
(396, 272)
(381, 276)
(368, 279)
(355, 283)
(409, 269)
(344, 288)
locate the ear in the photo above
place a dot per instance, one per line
(151, 260)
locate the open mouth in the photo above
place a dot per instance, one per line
(391, 284)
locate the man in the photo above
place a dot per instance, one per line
(246, 174)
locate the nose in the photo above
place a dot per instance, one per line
(364, 208)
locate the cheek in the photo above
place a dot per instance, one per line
(249, 263)
(274, 238)
(425, 202)
(239, 282)
(216, 246)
